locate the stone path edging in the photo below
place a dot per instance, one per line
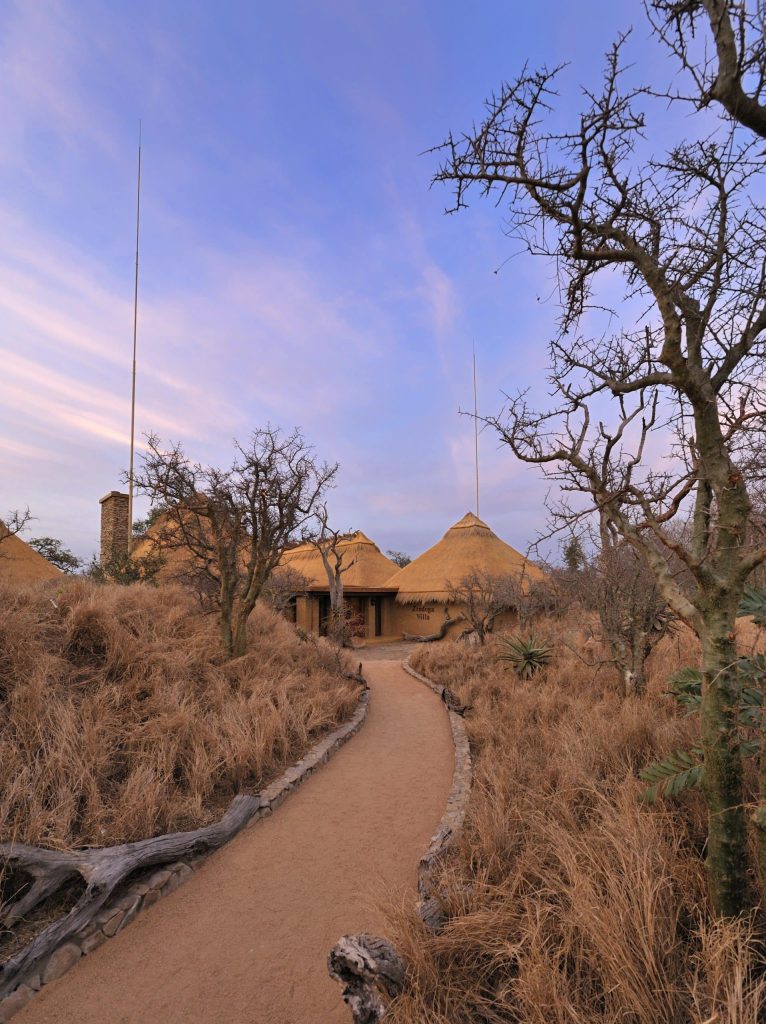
(141, 895)
(430, 907)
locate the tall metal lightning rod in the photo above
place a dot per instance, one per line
(475, 432)
(135, 334)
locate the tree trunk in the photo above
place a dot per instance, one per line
(624, 661)
(639, 652)
(227, 635)
(727, 854)
(336, 626)
(639, 677)
(226, 608)
(759, 815)
(239, 644)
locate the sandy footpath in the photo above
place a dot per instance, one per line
(245, 940)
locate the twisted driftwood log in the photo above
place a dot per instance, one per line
(440, 635)
(102, 870)
(370, 970)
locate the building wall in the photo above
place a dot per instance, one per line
(423, 620)
(420, 620)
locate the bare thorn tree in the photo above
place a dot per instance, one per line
(666, 414)
(482, 596)
(400, 558)
(232, 525)
(733, 72)
(633, 615)
(327, 542)
(14, 523)
(283, 586)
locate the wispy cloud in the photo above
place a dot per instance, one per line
(321, 308)
(43, 46)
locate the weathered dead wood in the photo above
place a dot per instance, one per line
(102, 870)
(440, 635)
(465, 636)
(371, 972)
(430, 905)
(453, 704)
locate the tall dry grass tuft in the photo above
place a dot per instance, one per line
(120, 720)
(568, 900)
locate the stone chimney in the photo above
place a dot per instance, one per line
(115, 528)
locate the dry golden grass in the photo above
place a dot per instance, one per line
(569, 901)
(120, 720)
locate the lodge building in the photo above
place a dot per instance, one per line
(387, 601)
(383, 599)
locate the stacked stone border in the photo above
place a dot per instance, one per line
(144, 893)
(430, 907)
(367, 966)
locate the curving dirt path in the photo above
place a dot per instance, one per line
(245, 940)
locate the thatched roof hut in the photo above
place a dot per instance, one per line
(19, 563)
(370, 569)
(467, 546)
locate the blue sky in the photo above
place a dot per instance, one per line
(295, 266)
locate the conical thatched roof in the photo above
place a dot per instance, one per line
(19, 563)
(467, 546)
(370, 569)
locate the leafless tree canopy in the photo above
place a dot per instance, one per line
(482, 596)
(284, 584)
(14, 523)
(661, 414)
(232, 525)
(689, 242)
(721, 47)
(400, 558)
(617, 582)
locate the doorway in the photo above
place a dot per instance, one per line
(377, 604)
(324, 613)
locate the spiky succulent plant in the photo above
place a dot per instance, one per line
(526, 655)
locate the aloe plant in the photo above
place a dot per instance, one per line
(527, 656)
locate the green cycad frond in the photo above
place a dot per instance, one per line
(753, 603)
(676, 773)
(686, 689)
(685, 769)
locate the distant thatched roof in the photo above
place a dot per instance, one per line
(467, 546)
(159, 542)
(369, 571)
(19, 563)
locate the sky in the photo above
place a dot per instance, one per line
(296, 267)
